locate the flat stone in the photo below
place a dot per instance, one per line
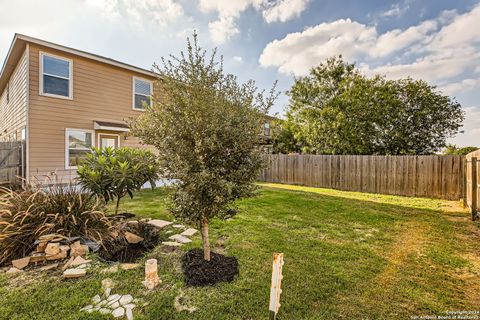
(126, 299)
(61, 255)
(74, 273)
(87, 308)
(68, 263)
(130, 306)
(107, 283)
(129, 266)
(114, 305)
(107, 292)
(119, 312)
(113, 298)
(133, 238)
(189, 232)
(52, 237)
(83, 266)
(111, 269)
(37, 257)
(52, 249)
(102, 303)
(14, 270)
(172, 244)
(78, 261)
(179, 226)
(78, 249)
(129, 314)
(96, 299)
(179, 238)
(159, 223)
(49, 267)
(21, 263)
(104, 311)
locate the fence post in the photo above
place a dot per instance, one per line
(474, 189)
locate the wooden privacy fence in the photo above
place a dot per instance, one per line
(472, 177)
(417, 176)
(11, 162)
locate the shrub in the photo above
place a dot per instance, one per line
(25, 215)
(113, 173)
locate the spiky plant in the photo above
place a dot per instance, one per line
(27, 214)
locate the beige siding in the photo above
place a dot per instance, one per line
(13, 115)
(100, 92)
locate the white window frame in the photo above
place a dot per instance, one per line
(92, 132)
(110, 135)
(70, 79)
(133, 92)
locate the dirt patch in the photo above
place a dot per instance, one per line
(120, 250)
(199, 272)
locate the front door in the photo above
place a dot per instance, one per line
(108, 140)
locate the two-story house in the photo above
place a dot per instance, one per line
(62, 101)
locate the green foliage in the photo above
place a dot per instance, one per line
(283, 138)
(452, 149)
(205, 128)
(338, 110)
(113, 173)
(27, 214)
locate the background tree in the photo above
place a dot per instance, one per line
(452, 149)
(205, 128)
(338, 110)
(283, 139)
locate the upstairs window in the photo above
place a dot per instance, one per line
(142, 93)
(55, 76)
(266, 129)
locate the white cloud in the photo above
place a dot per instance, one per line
(225, 27)
(396, 10)
(460, 86)
(471, 128)
(137, 12)
(237, 59)
(434, 50)
(284, 10)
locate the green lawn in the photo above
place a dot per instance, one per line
(347, 256)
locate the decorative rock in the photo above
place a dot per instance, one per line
(52, 249)
(37, 257)
(103, 302)
(172, 244)
(107, 283)
(61, 255)
(113, 298)
(130, 305)
(74, 273)
(96, 299)
(78, 249)
(14, 270)
(126, 299)
(104, 311)
(51, 237)
(119, 312)
(159, 223)
(68, 263)
(133, 238)
(129, 314)
(151, 274)
(129, 266)
(87, 308)
(111, 269)
(179, 238)
(21, 263)
(107, 292)
(78, 261)
(189, 232)
(179, 226)
(41, 246)
(49, 267)
(114, 305)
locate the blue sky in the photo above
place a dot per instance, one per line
(268, 40)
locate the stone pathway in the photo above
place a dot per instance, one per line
(177, 240)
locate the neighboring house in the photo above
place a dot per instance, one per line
(266, 135)
(62, 101)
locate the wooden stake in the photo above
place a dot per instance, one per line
(275, 288)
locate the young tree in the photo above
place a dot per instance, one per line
(338, 110)
(205, 127)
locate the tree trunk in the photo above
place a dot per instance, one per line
(118, 204)
(206, 242)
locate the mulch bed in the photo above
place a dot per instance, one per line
(199, 272)
(122, 251)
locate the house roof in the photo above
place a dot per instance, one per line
(20, 41)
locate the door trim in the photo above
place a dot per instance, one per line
(108, 135)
